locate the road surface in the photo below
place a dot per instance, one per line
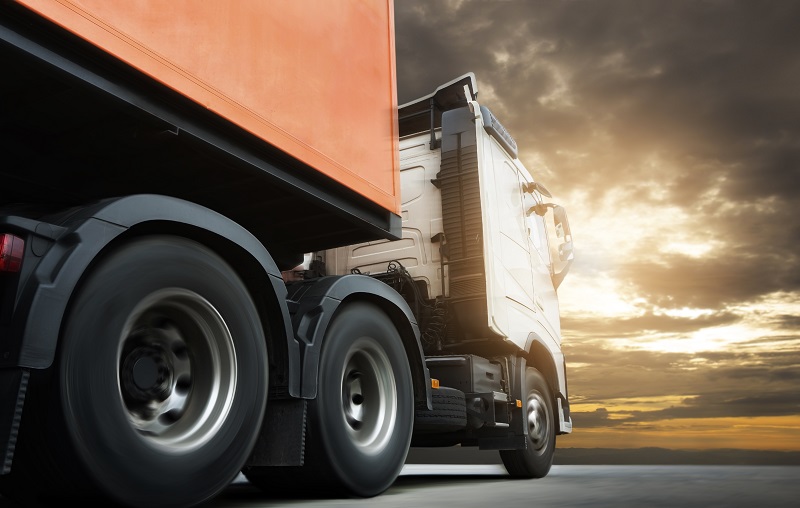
(487, 486)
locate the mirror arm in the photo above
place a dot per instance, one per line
(540, 208)
(536, 186)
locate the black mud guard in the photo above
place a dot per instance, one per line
(519, 426)
(313, 305)
(553, 366)
(67, 250)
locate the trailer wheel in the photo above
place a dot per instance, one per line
(161, 381)
(362, 418)
(537, 458)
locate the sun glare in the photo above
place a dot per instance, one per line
(598, 296)
(683, 312)
(693, 250)
(711, 339)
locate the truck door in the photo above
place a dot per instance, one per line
(510, 281)
(513, 250)
(544, 293)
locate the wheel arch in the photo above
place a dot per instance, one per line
(94, 231)
(317, 302)
(552, 364)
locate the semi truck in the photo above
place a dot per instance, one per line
(226, 250)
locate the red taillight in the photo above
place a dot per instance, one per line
(11, 249)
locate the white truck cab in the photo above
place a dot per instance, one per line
(480, 239)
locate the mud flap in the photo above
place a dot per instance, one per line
(281, 441)
(13, 386)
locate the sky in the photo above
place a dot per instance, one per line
(670, 130)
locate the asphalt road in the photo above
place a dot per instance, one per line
(487, 486)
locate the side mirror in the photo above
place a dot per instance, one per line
(562, 251)
(529, 187)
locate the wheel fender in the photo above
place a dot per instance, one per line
(552, 364)
(315, 305)
(84, 236)
(549, 362)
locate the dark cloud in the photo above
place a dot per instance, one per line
(691, 75)
(788, 321)
(712, 282)
(709, 88)
(784, 357)
(607, 373)
(714, 384)
(783, 403)
(596, 418)
(767, 375)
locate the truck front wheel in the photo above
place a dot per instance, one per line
(537, 458)
(161, 380)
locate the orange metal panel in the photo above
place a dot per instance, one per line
(313, 77)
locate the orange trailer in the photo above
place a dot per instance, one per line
(162, 164)
(315, 79)
(296, 100)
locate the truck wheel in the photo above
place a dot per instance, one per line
(161, 380)
(449, 412)
(361, 420)
(535, 460)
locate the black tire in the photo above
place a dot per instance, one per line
(160, 384)
(449, 412)
(363, 415)
(537, 458)
(360, 423)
